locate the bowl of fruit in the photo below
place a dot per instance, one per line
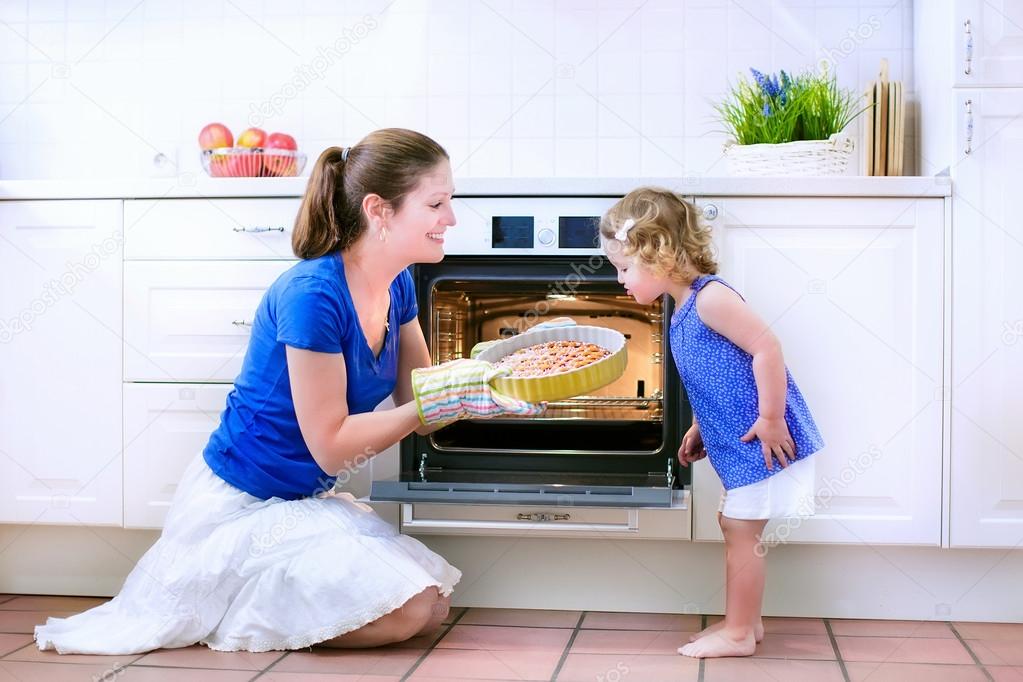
(254, 155)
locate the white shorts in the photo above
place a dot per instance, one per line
(790, 492)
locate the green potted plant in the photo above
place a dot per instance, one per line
(785, 125)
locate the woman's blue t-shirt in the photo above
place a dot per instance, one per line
(258, 446)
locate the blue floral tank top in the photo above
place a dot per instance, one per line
(718, 378)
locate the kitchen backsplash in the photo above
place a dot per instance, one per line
(510, 87)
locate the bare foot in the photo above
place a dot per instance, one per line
(719, 644)
(758, 631)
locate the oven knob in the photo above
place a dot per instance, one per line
(545, 236)
(710, 212)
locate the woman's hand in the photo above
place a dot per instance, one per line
(460, 389)
(775, 440)
(692, 448)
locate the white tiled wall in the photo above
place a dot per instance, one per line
(94, 88)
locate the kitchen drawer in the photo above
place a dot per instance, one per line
(209, 229)
(648, 523)
(190, 321)
(165, 427)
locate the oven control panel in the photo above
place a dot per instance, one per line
(526, 225)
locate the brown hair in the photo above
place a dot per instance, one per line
(388, 162)
(667, 238)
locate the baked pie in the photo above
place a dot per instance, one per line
(553, 357)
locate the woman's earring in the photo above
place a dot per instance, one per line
(383, 234)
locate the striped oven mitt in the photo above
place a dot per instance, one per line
(461, 389)
(549, 324)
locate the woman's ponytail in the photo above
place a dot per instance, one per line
(317, 230)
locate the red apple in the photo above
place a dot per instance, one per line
(252, 137)
(281, 141)
(215, 135)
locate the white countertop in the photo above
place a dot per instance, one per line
(201, 186)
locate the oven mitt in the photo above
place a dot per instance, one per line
(549, 324)
(461, 389)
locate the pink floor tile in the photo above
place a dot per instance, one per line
(1005, 631)
(805, 647)
(602, 620)
(521, 617)
(1004, 673)
(453, 613)
(497, 638)
(786, 626)
(199, 656)
(32, 653)
(633, 642)
(904, 650)
(590, 667)
(997, 651)
(337, 677)
(770, 670)
(891, 628)
(38, 603)
(139, 674)
(25, 621)
(10, 643)
(464, 664)
(349, 661)
(21, 671)
(913, 672)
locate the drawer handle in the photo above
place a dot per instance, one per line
(258, 229)
(543, 517)
(969, 127)
(968, 38)
(241, 323)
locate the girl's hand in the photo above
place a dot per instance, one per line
(775, 440)
(692, 448)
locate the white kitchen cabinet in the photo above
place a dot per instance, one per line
(988, 43)
(60, 357)
(209, 229)
(853, 289)
(190, 321)
(165, 427)
(987, 324)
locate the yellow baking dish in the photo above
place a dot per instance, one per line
(568, 384)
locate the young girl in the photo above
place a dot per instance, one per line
(256, 552)
(748, 415)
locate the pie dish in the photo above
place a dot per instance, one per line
(579, 375)
(552, 357)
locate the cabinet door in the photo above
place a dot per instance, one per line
(853, 290)
(989, 43)
(60, 357)
(190, 321)
(166, 426)
(987, 326)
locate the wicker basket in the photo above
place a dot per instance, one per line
(806, 157)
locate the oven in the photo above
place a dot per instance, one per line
(512, 263)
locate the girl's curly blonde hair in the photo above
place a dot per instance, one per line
(667, 237)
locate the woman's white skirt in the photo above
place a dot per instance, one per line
(235, 572)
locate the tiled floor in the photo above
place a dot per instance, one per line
(506, 644)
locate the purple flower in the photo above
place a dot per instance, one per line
(767, 108)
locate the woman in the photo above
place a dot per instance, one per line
(257, 553)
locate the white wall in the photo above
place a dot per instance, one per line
(94, 88)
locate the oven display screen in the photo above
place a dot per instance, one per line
(578, 232)
(512, 232)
